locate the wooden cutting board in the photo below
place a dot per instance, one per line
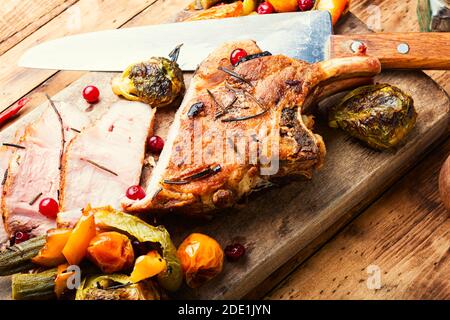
(278, 224)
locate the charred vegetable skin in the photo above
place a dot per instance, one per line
(157, 82)
(17, 258)
(109, 219)
(116, 287)
(380, 115)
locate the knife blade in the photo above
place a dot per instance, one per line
(301, 35)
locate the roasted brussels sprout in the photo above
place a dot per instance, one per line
(380, 115)
(158, 81)
(116, 287)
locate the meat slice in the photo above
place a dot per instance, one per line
(34, 172)
(240, 127)
(6, 153)
(107, 158)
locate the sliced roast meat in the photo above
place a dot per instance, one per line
(247, 128)
(107, 158)
(34, 171)
(6, 151)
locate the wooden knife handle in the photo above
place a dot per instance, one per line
(398, 50)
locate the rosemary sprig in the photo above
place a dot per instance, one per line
(213, 98)
(254, 99)
(62, 129)
(6, 144)
(245, 117)
(35, 199)
(5, 176)
(235, 75)
(253, 56)
(95, 164)
(119, 286)
(226, 109)
(203, 174)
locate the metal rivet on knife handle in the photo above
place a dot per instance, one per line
(403, 48)
(356, 45)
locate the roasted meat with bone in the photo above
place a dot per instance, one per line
(240, 127)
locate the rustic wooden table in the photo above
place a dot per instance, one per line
(397, 248)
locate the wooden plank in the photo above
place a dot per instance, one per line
(405, 233)
(19, 19)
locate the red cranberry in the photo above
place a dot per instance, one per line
(155, 144)
(237, 55)
(265, 8)
(91, 94)
(135, 193)
(305, 5)
(234, 252)
(20, 237)
(49, 208)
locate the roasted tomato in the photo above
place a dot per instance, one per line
(157, 82)
(201, 259)
(380, 115)
(111, 252)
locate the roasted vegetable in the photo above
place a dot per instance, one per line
(116, 287)
(110, 219)
(148, 266)
(235, 9)
(111, 252)
(51, 254)
(380, 115)
(206, 4)
(337, 8)
(17, 258)
(284, 5)
(85, 230)
(201, 259)
(249, 6)
(61, 279)
(158, 81)
(34, 286)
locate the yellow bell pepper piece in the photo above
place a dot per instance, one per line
(51, 254)
(249, 6)
(61, 279)
(76, 247)
(148, 266)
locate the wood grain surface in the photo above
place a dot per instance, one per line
(20, 31)
(406, 234)
(430, 51)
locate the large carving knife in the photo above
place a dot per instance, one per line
(307, 36)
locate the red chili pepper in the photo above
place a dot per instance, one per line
(10, 112)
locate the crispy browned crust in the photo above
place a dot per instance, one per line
(277, 83)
